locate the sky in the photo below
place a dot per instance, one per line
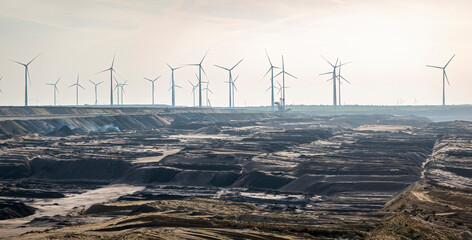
(388, 42)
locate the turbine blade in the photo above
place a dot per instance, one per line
(204, 56)
(270, 62)
(29, 77)
(57, 89)
(91, 82)
(57, 81)
(169, 66)
(267, 89)
(266, 73)
(326, 73)
(18, 62)
(203, 70)
(343, 64)
(33, 59)
(100, 83)
(336, 64)
(177, 86)
(449, 60)
(236, 64)
(278, 74)
(447, 79)
(235, 79)
(148, 79)
(344, 79)
(329, 79)
(327, 61)
(221, 67)
(103, 71)
(113, 61)
(72, 85)
(81, 87)
(434, 66)
(291, 75)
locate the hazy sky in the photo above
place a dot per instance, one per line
(388, 42)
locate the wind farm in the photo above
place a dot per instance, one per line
(235, 120)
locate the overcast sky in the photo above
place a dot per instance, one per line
(388, 42)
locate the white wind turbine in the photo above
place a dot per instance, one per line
(172, 81)
(200, 70)
(283, 72)
(77, 85)
(230, 81)
(27, 76)
(152, 89)
(444, 78)
(96, 93)
(271, 70)
(55, 89)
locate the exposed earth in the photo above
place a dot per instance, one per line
(118, 173)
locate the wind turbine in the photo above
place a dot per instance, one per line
(95, 85)
(339, 82)
(283, 72)
(118, 88)
(444, 78)
(207, 89)
(230, 81)
(200, 69)
(122, 86)
(234, 87)
(271, 70)
(193, 91)
(173, 83)
(26, 77)
(112, 70)
(55, 89)
(77, 85)
(152, 82)
(334, 77)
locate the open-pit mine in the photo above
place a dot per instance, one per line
(186, 173)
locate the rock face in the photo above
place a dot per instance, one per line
(13, 209)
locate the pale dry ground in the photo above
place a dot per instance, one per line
(192, 218)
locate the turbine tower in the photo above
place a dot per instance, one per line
(26, 77)
(230, 81)
(152, 82)
(96, 93)
(207, 89)
(194, 87)
(77, 85)
(200, 69)
(55, 89)
(112, 70)
(283, 72)
(234, 87)
(339, 82)
(334, 77)
(173, 83)
(444, 78)
(271, 70)
(122, 86)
